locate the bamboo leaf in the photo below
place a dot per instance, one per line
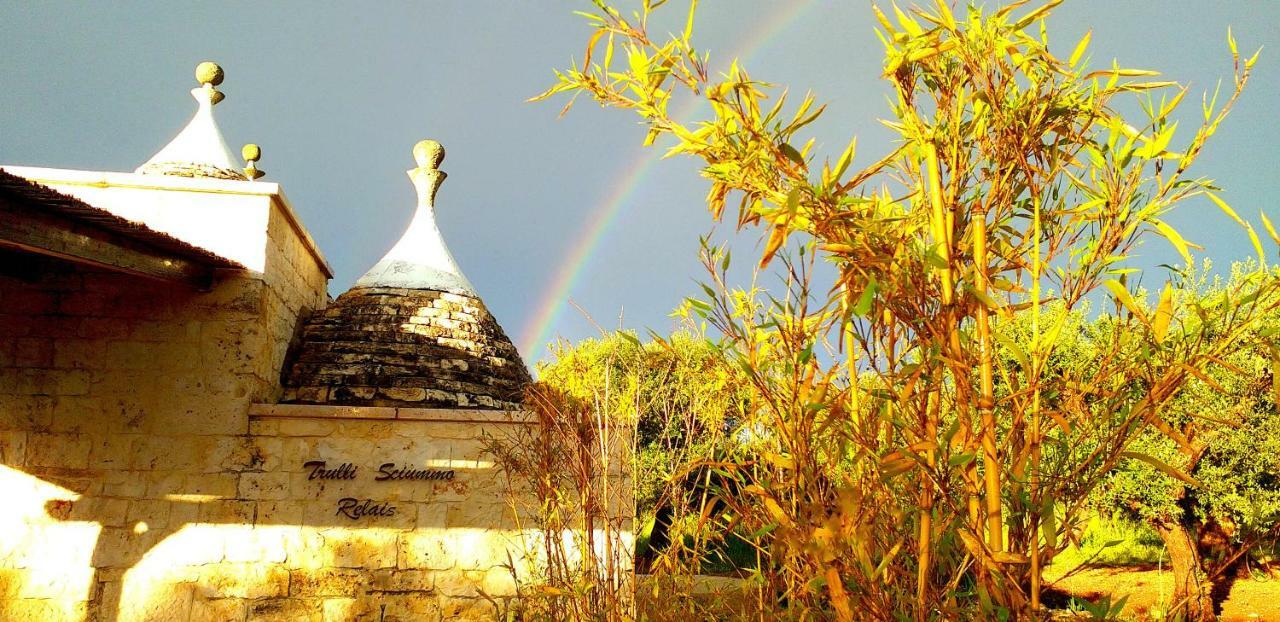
(688, 25)
(1036, 14)
(1253, 235)
(1271, 229)
(776, 238)
(863, 307)
(1157, 144)
(1164, 313)
(1162, 467)
(1203, 377)
(1015, 350)
(1122, 294)
(792, 154)
(1049, 523)
(1176, 240)
(1080, 48)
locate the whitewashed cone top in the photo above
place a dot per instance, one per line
(421, 260)
(199, 150)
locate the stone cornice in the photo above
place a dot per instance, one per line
(447, 415)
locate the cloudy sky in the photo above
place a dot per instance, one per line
(537, 209)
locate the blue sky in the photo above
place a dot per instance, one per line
(337, 94)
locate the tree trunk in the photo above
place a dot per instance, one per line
(1192, 591)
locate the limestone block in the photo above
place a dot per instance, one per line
(404, 394)
(498, 582)
(125, 483)
(441, 430)
(279, 512)
(263, 427)
(210, 484)
(407, 608)
(169, 332)
(164, 453)
(265, 454)
(213, 413)
(432, 514)
(67, 451)
(398, 580)
(162, 601)
(305, 548)
(264, 486)
(59, 583)
(13, 448)
(285, 610)
(11, 580)
(361, 549)
(108, 511)
(102, 328)
(154, 513)
(218, 610)
(43, 610)
(229, 346)
(112, 451)
(305, 427)
(468, 609)
(224, 511)
(120, 547)
(26, 413)
(75, 414)
(426, 549)
(162, 483)
(234, 296)
(348, 610)
(71, 382)
(85, 303)
(476, 514)
(327, 582)
(260, 545)
(78, 353)
(184, 513)
(130, 355)
(458, 583)
(33, 352)
(245, 580)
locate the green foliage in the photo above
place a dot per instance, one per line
(678, 391)
(1234, 458)
(1111, 541)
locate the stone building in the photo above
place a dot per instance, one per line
(189, 430)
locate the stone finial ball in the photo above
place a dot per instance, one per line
(428, 154)
(209, 73)
(251, 152)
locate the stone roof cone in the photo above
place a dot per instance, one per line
(412, 332)
(199, 150)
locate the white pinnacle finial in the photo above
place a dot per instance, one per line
(199, 149)
(420, 260)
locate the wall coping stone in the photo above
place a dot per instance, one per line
(448, 415)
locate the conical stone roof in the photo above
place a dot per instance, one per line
(412, 332)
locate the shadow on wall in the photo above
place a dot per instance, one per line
(81, 557)
(137, 487)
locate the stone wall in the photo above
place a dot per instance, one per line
(147, 472)
(124, 418)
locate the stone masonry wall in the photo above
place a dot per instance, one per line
(124, 423)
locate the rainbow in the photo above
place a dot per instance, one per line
(536, 331)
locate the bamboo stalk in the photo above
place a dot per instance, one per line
(986, 397)
(1034, 373)
(942, 237)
